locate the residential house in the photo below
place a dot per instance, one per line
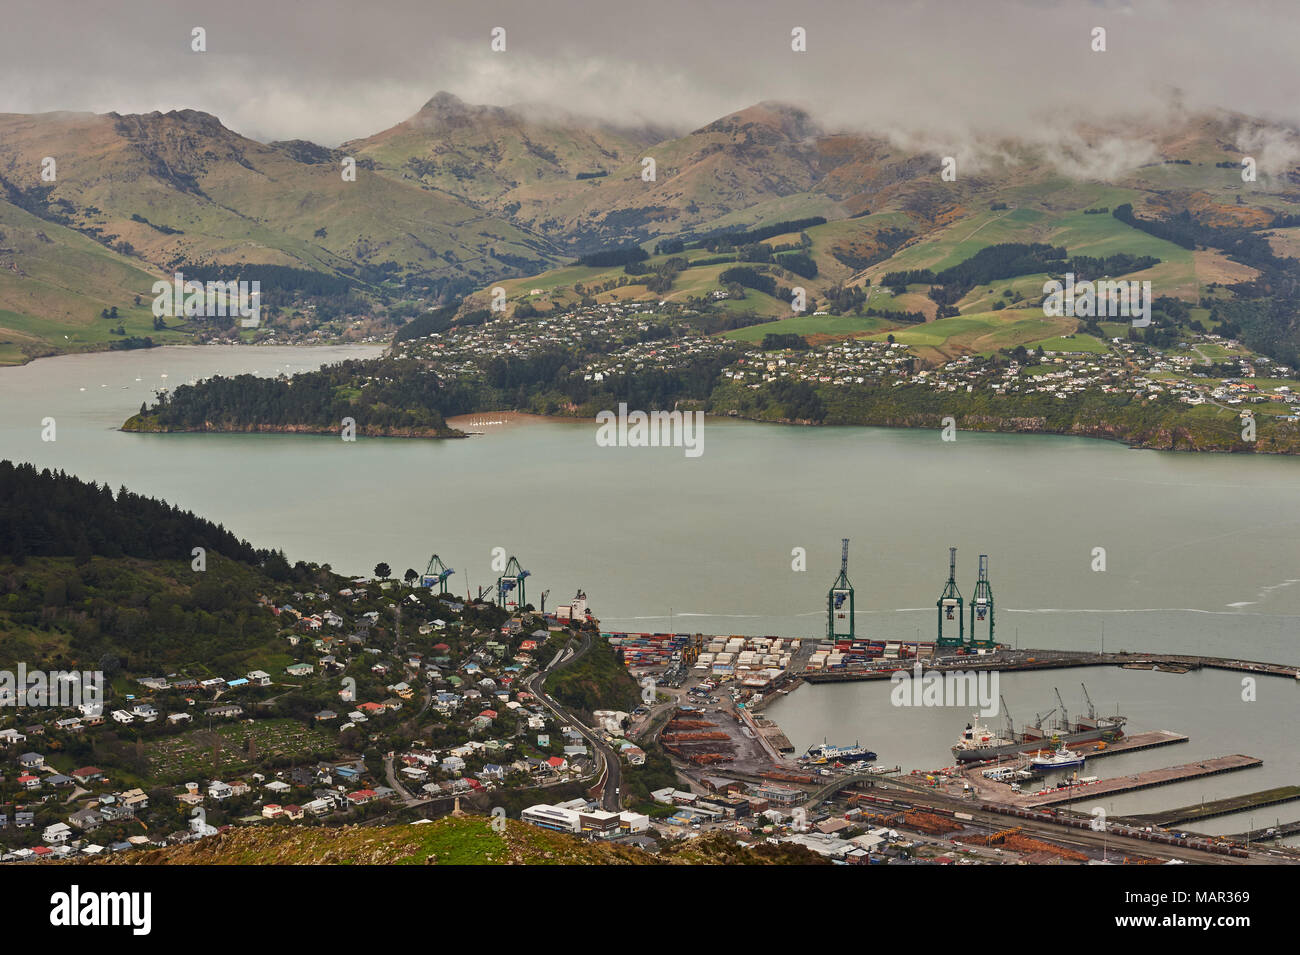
(86, 819)
(219, 790)
(88, 775)
(146, 711)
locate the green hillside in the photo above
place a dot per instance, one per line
(467, 840)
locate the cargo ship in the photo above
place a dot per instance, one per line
(978, 742)
(825, 753)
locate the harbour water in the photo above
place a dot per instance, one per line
(1201, 552)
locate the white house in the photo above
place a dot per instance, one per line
(219, 790)
(58, 833)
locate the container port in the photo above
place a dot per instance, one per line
(712, 690)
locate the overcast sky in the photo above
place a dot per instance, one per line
(330, 71)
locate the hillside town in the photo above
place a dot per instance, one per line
(326, 736)
(625, 338)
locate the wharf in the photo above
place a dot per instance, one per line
(1006, 659)
(1131, 744)
(1222, 807)
(1145, 780)
(771, 734)
(1284, 831)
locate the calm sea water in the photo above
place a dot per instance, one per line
(1201, 551)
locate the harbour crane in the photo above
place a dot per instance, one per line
(1065, 717)
(511, 582)
(1092, 710)
(981, 606)
(1039, 718)
(839, 618)
(1006, 711)
(949, 606)
(436, 574)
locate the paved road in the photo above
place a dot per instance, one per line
(607, 761)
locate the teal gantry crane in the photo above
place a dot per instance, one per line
(510, 587)
(981, 607)
(436, 574)
(950, 607)
(839, 601)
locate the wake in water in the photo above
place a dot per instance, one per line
(1030, 610)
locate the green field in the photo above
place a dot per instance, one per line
(1081, 234)
(983, 334)
(1077, 342)
(810, 325)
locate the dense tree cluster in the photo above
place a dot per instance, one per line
(773, 341)
(749, 278)
(388, 395)
(722, 240)
(612, 258)
(52, 514)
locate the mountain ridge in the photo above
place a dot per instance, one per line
(462, 196)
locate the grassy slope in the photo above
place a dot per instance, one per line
(468, 840)
(62, 283)
(227, 200)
